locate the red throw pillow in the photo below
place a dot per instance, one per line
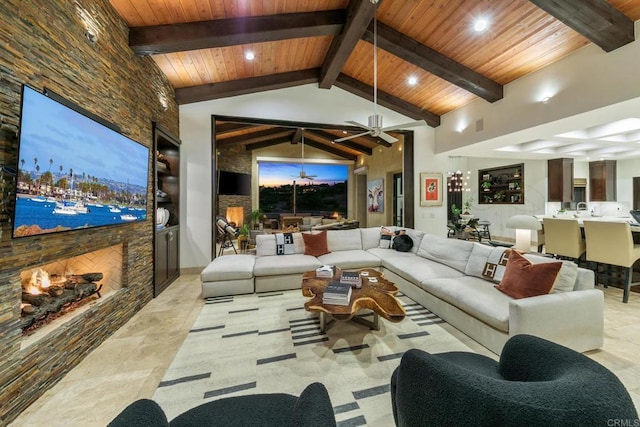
(315, 244)
(523, 279)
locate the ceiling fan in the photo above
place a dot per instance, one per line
(303, 174)
(374, 127)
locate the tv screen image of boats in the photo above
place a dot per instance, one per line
(73, 172)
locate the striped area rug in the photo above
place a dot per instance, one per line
(268, 343)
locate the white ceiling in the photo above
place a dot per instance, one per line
(614, 140)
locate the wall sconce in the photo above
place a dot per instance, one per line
(523, 224)
(91, 36)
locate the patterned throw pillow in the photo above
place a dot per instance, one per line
(496, 264)
(386, 238)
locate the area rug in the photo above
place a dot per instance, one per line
(268, 343)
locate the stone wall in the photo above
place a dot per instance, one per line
(234, 159)
(44, 45)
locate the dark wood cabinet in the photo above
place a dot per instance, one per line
(501, 185)
(602, 181)
(560, 180)
(167, 208)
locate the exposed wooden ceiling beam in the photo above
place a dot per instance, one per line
(187, 95)
(297, 136)
(268, 143)
(222, 128)
(283, 123)
(159, 39)
(597, 20)
(434, 62)
(331, 149)
(259, 136)
(359, 15)
(394, 103)
(326, 136)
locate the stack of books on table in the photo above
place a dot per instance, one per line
(326, 271)
(337, 293)
(352, 278)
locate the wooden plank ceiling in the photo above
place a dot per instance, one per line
(201, 44)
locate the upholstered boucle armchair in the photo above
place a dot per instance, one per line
(535, 383)
(312, 409)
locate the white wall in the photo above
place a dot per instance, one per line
(303, 103)
(580, 85)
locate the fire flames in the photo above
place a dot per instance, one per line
(40, 282)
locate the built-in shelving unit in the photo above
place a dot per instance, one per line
(167, 200)
(501, 185)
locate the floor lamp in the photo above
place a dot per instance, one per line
(524, 224)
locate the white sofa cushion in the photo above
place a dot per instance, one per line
(350, 259)
(452, 252)
(474, 296)
(370, 237)
(229, 268)
(266, 244)
(344, 240)
(412, 268)
(284, 264)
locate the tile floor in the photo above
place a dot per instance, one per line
(131, 363)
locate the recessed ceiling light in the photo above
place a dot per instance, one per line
(412, 80)
(480, 24)
(250, 56)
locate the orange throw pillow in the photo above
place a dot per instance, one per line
(315, 244)
(523, 279)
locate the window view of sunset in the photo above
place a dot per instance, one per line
(323, 191)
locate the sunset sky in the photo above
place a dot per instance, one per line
(276, 174)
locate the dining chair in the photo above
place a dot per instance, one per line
(611, 243)
(563, 238)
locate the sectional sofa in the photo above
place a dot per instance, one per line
(454, 279)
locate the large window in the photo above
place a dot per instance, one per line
(322, 192)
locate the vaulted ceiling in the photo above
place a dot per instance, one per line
(201, 46)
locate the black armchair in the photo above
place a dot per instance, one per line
(535, 383)
(312, 408)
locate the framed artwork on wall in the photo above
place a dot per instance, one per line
(375, 195)
(430, 189)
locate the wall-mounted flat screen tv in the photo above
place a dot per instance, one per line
(234, 183)
(74, 172)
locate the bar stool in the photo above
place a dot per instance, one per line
(483, 230)
(563, 238)
(612, 243)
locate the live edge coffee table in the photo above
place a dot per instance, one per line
(378, 297)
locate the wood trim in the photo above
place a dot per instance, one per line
(408, 170)
(434, 62)
(258, 136)
(350, 144)
(597, 20)
(187, 95)
(359, 15)
(160, 39)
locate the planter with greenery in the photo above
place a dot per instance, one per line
(256, 218)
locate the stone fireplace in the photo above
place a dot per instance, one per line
(54, 293)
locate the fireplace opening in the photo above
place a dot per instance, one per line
(54, 293)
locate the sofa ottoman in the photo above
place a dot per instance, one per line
(228, 275)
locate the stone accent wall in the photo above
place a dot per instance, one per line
(44, 46)
(234, 159)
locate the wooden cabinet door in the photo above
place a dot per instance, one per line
(560, 180)
(602, 181)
